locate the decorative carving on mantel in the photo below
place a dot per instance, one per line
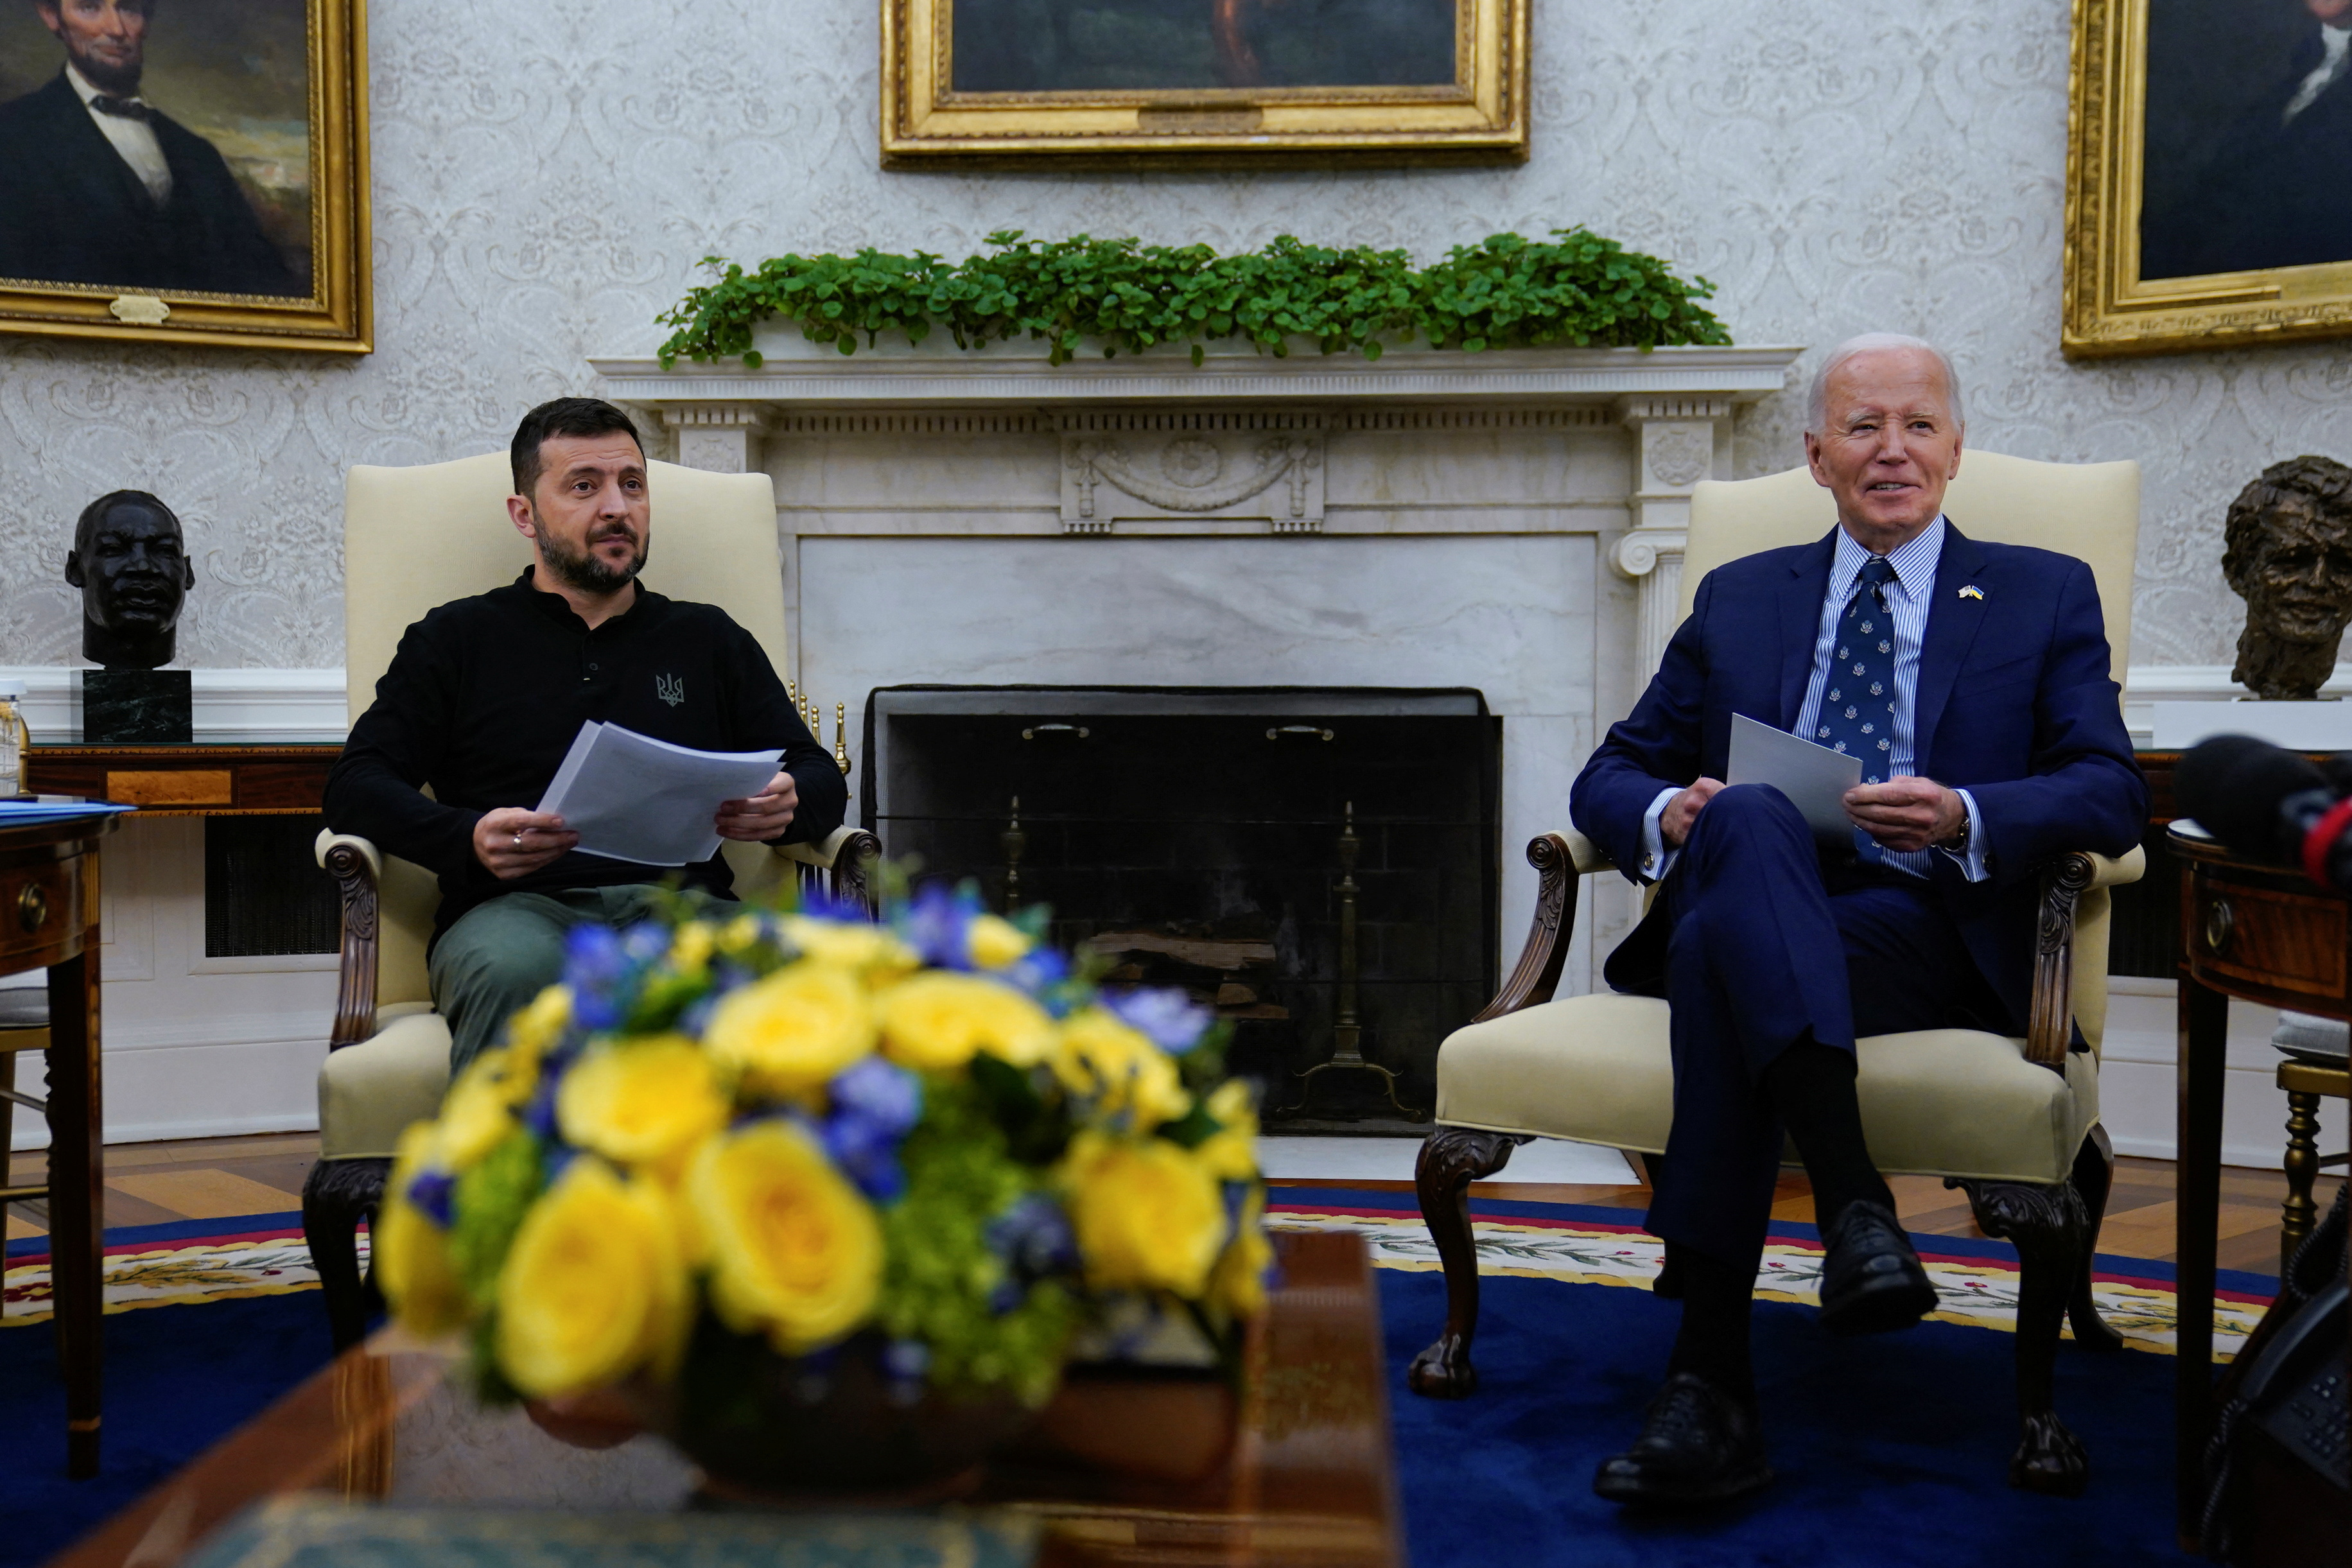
(1160, 467)
(718, 438)
(1674, 441)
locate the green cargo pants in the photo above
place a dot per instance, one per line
(503, 953)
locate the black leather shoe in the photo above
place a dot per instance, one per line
(1699, 1444)
(1872, 1281)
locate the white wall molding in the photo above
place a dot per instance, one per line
(2146, 684)
(257, 704)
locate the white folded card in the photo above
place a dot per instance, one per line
(1814, 778)
(631, 797)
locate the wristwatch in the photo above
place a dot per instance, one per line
(1957, 844)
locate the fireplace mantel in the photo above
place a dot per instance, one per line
(803, 376)
(1510, 520)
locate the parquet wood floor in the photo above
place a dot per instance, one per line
(209, 1178)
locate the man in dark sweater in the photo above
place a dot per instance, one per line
(484, 696)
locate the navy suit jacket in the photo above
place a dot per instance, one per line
(2015, 704)
(71, 210)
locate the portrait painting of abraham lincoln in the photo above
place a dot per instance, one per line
(156, 145)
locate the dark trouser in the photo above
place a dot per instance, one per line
(1771, 945)
(506, 951)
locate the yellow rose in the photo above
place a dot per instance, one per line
(478, 1113)
(538, 1024)
(689, 949)
(1237, 1284)
(1230, 1154)
(1117, 1067)
(647, 1103)
(1148, 1218)
(993, 942)
(792, 1031)
(594, 1287)
(408, 1253)
(794, 1252)
(739, 933)
(937, 1021)
(852, 944)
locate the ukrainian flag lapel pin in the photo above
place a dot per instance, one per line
(1972, 592)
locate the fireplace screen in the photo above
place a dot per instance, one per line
(1320, 865)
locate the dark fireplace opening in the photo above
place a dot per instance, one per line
(1318, 864)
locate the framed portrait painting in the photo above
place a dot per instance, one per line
(185, 171)
(971, 82)
(2207, 205)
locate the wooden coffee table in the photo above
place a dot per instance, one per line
(1307, 1482)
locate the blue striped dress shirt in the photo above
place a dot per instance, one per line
(1907, 598)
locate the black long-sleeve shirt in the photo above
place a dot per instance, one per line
(485, 695)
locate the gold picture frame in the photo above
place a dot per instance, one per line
(1059, 106)
(2184, 128)
(259, 238)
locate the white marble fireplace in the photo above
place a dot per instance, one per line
(1507, 521)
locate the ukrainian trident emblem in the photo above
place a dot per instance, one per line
(669, 689)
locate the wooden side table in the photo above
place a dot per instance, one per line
(48, 919)
(212, 777)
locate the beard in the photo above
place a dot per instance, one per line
(119, 81)
(583, 569)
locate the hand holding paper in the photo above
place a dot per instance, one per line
(631, 798)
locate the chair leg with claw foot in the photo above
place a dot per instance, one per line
(2051, 1230)
(338, 1195)
(1451, 1159)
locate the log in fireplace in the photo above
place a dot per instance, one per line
(1318, 864)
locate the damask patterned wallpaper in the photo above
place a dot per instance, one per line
(547, 172)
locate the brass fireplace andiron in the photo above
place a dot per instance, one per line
(1346, 1029)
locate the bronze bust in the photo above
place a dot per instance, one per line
(131, 562)
(2287, 551)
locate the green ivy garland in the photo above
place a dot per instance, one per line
(1507, 291)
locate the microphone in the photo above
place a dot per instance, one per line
(2271, 805)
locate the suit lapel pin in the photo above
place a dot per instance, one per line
(1972, 592)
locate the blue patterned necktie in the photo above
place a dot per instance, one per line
(1858, 697)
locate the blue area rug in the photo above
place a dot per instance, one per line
(178, 1378)
(1891, 1451)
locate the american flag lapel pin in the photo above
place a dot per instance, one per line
(1972, 592)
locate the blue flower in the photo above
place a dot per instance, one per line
(936, 924)
(1171, 1020)
(597, 968)
(887, 1097)
(430, 1194)
(1034, 1238)
(1039, 971)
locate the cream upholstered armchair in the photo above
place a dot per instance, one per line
(413, 539)
(2013, 1122)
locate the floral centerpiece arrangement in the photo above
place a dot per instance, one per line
(827, 1199)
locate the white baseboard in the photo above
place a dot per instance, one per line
(219, 1091)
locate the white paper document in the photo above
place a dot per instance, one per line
(631, 797)
(1814, 778)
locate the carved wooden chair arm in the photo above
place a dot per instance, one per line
(850, 854)
(357, 867)
(2051, 1029)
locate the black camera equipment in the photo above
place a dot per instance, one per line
(2271, 804)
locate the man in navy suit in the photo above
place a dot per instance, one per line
(98, 186)
(1973, 681)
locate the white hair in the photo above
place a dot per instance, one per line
(1817, 396)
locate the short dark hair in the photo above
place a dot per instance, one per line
(564, 416)
(96, 514)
